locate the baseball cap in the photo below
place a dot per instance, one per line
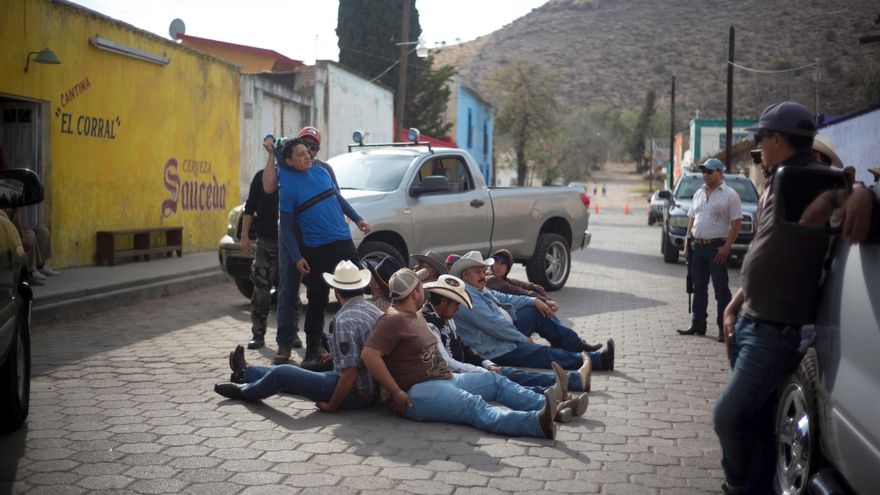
(712, 164)
(450, 287)
(402, 283)
(311, 132)
(787, 117)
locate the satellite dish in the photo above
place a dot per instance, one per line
(176, 28)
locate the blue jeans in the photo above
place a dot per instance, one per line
(703, 268)
(263, 382)
(288, 288)
(529, 320)
(464, 400)
(540, 356)
(538, 380)
(763, 355)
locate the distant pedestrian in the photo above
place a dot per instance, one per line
(604, 190)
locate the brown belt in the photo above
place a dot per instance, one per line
(710, 241)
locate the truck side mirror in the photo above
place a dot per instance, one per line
(808, 199)
(664, 194)
(430, 184)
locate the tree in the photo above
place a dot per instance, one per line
(528, 109)
(368, 32)
(642, 130)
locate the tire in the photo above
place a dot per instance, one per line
(377, 250)
(797, 429)
(15, 378)
(670, 250)
(245, 286)
(551, 264)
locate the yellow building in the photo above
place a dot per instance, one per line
(130, 130)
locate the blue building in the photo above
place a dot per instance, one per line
(472, 124)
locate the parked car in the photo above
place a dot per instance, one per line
(584, 194)
(675, 220)
(657, 205)
(826, 421)
(18, 187)
(418, 198)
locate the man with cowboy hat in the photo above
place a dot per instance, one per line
(402, 354)
(445, 296)
(382, 270)
(348, 386)
(431, 261)
(500, 325)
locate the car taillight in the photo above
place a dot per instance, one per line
(585, 200)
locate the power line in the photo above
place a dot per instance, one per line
(777, 71)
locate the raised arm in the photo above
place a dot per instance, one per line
(270, 173)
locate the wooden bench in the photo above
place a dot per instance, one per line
(141, 244)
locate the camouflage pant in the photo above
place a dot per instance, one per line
(264, 275)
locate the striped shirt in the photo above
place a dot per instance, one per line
(352, 325)
(712, 216)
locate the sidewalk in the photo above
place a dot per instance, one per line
(79, 291)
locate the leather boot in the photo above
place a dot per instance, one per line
(313, 351)
(229, 390)
(692, 330)
(585, 347)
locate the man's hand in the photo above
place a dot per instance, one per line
(495, 369)
(400, 402)
(269, 145)
(857, 215)
(364, 227)
(326, 358)
(729, 325)
(552, 304)
(303, 267)
(324, 407)
(543, 308)
(247, 246)
(721, 255)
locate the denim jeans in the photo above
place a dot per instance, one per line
(529, 320)
(703, 268)
(540, 356)
(288, 288)
(539, 380)
(323, 259)
(763, 354)
(263, 382)
(464, 399)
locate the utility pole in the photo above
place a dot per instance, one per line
(670, 167)
(401, 81)
(728, 149)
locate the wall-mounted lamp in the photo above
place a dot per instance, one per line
(112, 46)
(44, 56)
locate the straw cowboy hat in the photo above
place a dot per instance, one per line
(470, 260)
(450, 287)
(347, 276)
(824, 145)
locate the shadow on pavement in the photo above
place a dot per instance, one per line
(641, 263)
(13, 449)
(594, 301)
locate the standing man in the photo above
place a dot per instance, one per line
(714, 219)
(264, 270)
(779, 293)
(309, 201)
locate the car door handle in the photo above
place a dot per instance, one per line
(476, 203)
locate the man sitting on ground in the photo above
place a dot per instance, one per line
(348, 386)
(402, 355)
(500, 325)
(431, 261)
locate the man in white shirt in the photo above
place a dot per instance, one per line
(714, 220)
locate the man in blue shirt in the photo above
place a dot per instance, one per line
(309, 201)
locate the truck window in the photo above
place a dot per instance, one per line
(452, 167)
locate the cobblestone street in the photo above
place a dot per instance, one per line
(122, 401)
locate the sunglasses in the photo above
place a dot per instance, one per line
(761, 135)
(708, 171)
(313, 146)
(756, 156)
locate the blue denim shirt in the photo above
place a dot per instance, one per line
(485, 329)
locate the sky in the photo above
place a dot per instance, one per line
(309, 32)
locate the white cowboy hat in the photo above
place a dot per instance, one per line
(470, 260)
(347, 276)
(823, 145)
(451, 287)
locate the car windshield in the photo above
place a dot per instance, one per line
(369, 171)
(745, 189)
(689, 185)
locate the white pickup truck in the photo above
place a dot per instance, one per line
(418, 198)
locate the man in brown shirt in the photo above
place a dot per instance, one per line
(402, 355)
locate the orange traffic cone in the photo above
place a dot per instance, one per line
(597, 207)
(626, 208)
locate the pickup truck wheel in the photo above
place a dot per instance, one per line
(245, 286)
(551, 264)
(796, 428)
(670, 250)
(377, 250)
(15, 379)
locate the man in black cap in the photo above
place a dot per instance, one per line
(779, 293)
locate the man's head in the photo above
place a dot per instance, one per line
(432, 262)
(296, 154)
(823, 150)
(503, 262)
(450, 260)
(382, 270)
(406, 287)
(347, 279)
(312, 138)
(472, 269)
(713, 172)
(447, 294)
(783, 129)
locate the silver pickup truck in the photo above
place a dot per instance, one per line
(418, 198)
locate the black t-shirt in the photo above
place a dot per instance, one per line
(266, 208)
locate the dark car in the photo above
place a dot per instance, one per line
(18, 187)
(675, 219)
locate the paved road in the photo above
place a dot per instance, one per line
(122, 402)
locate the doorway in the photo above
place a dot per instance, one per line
(21, 146)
